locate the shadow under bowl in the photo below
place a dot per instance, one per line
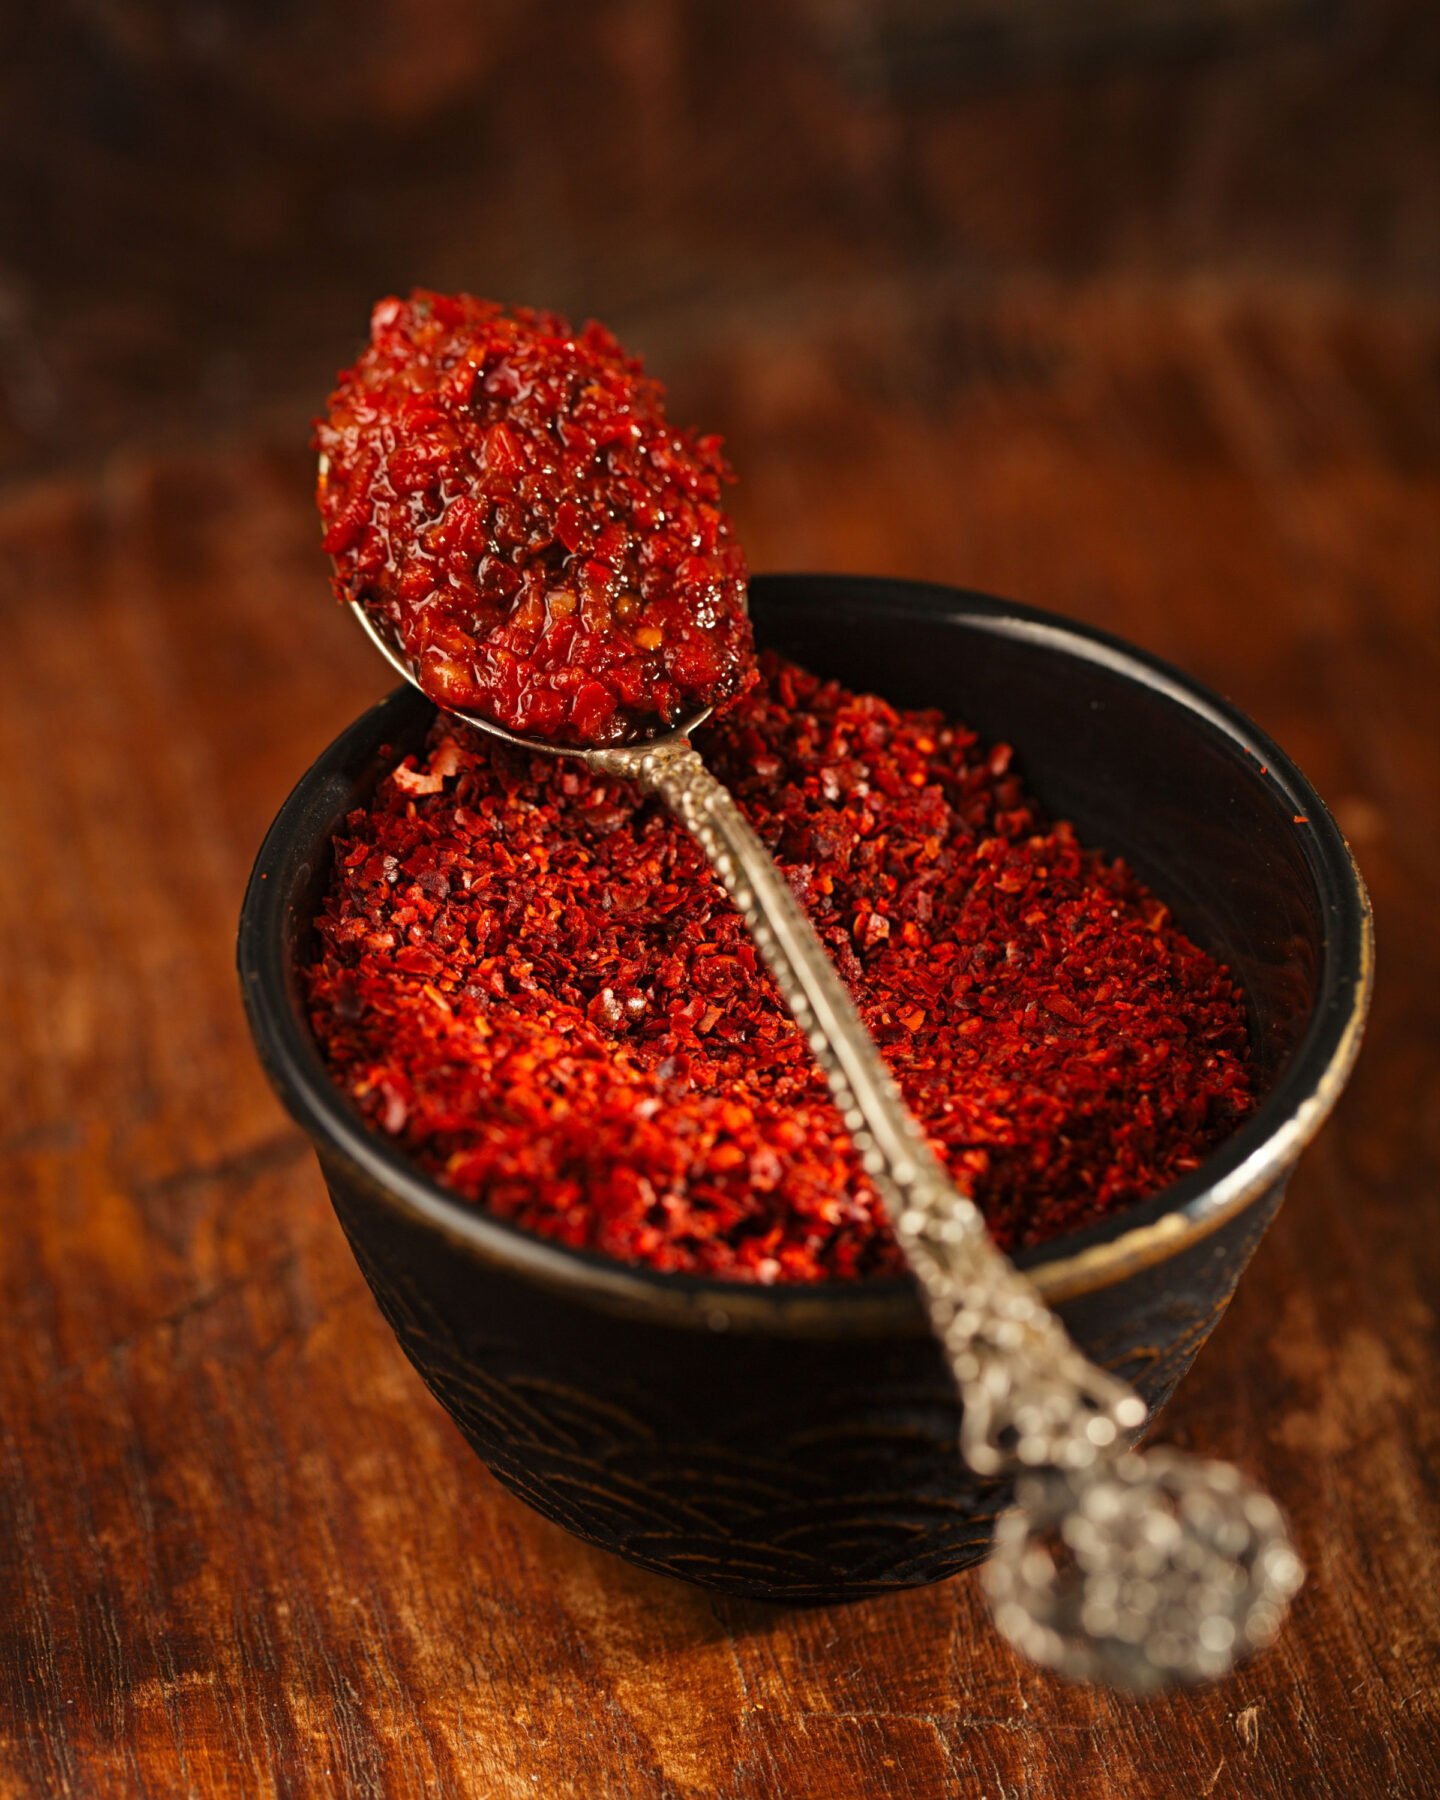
(800, 1443)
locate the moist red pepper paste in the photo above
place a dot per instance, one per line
(528, 979)
(507, 495)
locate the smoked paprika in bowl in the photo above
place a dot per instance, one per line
(798, 1442)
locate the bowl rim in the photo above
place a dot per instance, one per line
(1248, 1163)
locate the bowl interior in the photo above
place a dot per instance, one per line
(1144, 768)
(1147, 766)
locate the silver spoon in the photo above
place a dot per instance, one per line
(1172, 1567)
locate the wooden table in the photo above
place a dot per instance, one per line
(241, 1550)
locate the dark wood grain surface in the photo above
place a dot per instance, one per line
(243, 1552)
(1132, 322)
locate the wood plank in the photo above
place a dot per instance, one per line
(241, 1550)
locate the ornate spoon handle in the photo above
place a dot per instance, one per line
(1137, 1571)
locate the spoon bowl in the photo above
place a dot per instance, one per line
(672, 739)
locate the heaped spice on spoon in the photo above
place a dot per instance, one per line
(507, 495)
(530, 981)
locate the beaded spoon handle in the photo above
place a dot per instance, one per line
(1178, 1567)
(1137, 1571)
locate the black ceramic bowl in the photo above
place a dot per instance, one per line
(801, 1443)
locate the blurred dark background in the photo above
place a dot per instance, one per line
(802, 211)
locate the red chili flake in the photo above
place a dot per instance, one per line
(507, 493)
(530, 980)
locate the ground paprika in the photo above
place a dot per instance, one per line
(529, 980)
(508, 497)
